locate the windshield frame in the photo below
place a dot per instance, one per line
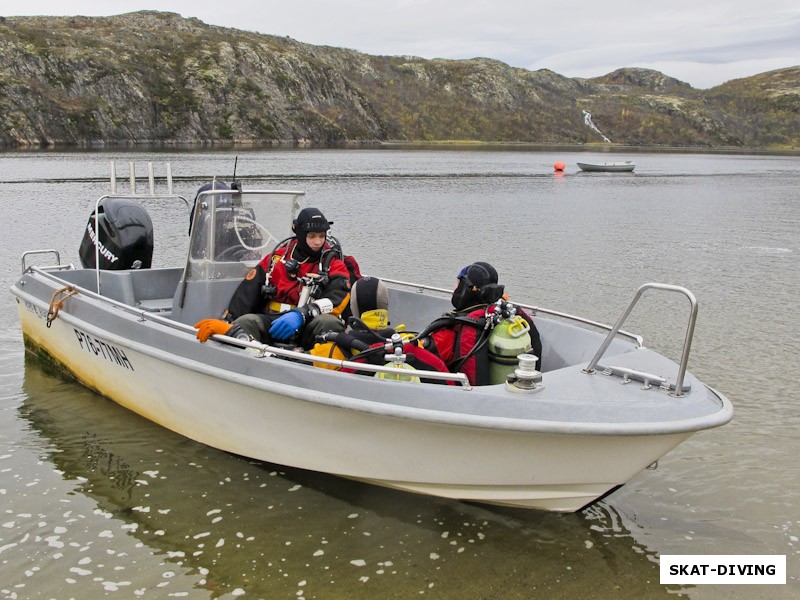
(233, 229)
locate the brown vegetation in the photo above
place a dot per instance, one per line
(155, 77)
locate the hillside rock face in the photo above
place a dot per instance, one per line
(158, 78)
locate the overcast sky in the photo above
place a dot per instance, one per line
(701, 43)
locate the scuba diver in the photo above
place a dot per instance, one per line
(295, 293)
(484, 333)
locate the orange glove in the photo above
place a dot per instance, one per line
(208, 327)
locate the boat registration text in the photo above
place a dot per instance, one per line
(100, 348)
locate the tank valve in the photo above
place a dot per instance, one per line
(525, 377)
(396, 359)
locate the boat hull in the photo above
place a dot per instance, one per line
(413, 450)
(618, 167)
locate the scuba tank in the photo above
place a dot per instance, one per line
(397, 360)
(509, 338)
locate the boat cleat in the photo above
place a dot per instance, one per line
(259, 352)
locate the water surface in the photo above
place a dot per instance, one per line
(97, 502)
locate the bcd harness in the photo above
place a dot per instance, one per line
(461, 338)
(313, 284)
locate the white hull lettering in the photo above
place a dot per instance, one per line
(103, 250)
(100, 348)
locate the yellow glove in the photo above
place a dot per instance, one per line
(208, 327)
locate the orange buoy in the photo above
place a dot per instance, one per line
(559, 167)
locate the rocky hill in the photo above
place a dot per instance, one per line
(154, 77)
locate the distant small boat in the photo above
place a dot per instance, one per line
(609, 167)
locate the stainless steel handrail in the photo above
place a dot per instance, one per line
(687, 343)
(43, 251)
(132, 195)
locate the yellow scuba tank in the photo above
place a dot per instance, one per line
(402, 374)
(397, 360)
(508, 339)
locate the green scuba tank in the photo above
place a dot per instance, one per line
(508, 339)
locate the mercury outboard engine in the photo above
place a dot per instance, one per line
(126, 236)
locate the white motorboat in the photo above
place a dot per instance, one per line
(603, 409)
(608, 167)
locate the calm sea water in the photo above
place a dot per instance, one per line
(96, 502)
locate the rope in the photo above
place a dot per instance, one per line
(56, 303)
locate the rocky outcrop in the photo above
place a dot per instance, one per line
(158, 78)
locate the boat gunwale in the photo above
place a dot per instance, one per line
(717, 418)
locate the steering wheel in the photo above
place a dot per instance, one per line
(269, 237)
(238, 254)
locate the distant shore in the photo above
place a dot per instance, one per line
(398, 144)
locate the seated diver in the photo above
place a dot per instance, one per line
(460, 337)
(369, 333)
(266, 305)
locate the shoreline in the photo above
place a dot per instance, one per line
(399, 144)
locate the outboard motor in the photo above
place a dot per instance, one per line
(126, 236)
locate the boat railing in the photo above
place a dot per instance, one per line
(687, 343)
(637, 339)
(56, 267)
(262, 350)
(132, 194)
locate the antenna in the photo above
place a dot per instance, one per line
(235, 184)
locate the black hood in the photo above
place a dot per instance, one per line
(477, 284)
(308, 220)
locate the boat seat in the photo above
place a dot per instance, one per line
(202, 299)
(159, 305)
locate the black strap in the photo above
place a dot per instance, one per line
(449, 320)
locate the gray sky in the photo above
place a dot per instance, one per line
(701, 43)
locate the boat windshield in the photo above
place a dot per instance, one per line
(232, 230)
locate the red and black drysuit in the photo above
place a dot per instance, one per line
(254, 296)
(459, 339)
